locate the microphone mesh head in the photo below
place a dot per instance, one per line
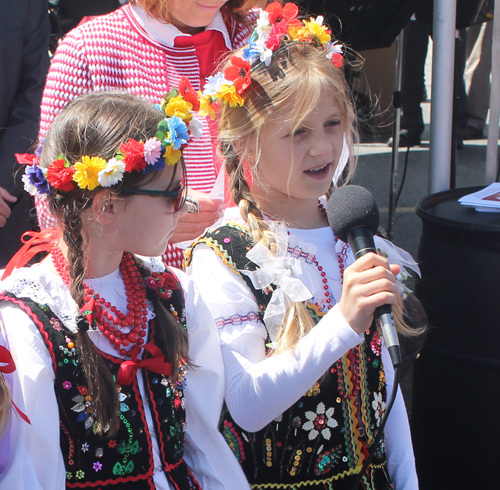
(349, 207)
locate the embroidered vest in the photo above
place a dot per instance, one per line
(322, 440)
(126, 460)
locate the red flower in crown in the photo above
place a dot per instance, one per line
(279, 14)
(189, 93)
(337, 60)
(133, 153)
(238, 73)
(60, 176)
(275, 36)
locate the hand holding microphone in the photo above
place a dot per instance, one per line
(369, 284)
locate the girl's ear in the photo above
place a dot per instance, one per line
(104, 207)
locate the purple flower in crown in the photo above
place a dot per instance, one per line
(37, 178)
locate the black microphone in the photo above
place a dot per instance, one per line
(354, 218)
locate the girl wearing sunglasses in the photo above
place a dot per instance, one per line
(118, 365)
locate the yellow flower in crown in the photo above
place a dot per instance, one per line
(314, 29)
(229, 95)
(87, 172)
(296, 33)
(178, 106)
(172, 156)
(206, 108)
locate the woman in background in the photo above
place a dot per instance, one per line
(145, 48)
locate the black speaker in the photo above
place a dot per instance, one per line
(363, 24)
(469, 12)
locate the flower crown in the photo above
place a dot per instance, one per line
(174, 132)
(277, 26)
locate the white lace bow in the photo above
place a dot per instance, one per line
(281, 270)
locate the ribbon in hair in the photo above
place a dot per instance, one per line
(34, 242)
(8, 366)
(283, 272)
(89, 312)
(128, 369)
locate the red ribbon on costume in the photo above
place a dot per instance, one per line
(34, 242)
(7, 366)
(128, 369)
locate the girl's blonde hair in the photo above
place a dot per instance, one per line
(96, 124)
(237, 9)
(298, 75)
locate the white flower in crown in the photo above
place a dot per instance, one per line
(258, 50)
(266, 56)
(213, 84)
(152, 150)
(263, 27)
(112, 173)
(28, 186)
(333, 48)
(196, 127)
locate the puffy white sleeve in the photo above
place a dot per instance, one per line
(259, 388)
(400, 458)
(206, 452)
(36, 459)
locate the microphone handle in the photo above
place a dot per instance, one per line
(362, 242)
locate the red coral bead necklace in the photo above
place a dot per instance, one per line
(124, 331)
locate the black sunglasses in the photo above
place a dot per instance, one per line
(178, 195)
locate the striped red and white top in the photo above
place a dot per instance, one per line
(114, 52)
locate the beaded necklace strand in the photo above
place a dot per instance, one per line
(124, 331)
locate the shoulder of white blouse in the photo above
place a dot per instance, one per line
(45, 288)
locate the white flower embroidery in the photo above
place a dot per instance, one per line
(379, 406)
(319, 422)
